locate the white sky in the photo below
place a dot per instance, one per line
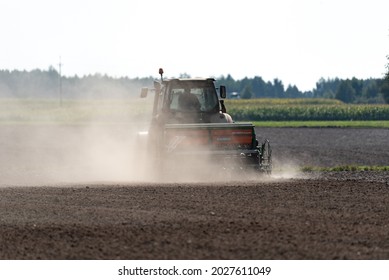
(297, 41)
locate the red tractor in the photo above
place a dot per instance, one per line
(190, 128)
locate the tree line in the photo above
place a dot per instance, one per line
(49, 84)
(346, 90)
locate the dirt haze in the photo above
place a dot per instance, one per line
(51, 154)
(71, 193)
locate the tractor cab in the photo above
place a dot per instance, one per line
(189, 101)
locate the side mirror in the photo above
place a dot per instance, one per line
(223, 91)
(143, 93)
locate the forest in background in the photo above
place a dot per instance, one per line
(50, 84)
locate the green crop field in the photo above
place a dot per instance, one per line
(286, 110)
(262, 112)
(282, 101)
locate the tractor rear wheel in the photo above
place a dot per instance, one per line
(265, 159)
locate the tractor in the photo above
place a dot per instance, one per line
(191, 129)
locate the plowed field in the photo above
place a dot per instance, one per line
(66, 194)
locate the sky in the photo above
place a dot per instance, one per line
(296, 41)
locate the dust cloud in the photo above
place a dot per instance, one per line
(105, 147)
(52, 154)
(287, 169)
(42, 143)
(95, 153)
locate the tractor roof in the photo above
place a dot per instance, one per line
(189, 80)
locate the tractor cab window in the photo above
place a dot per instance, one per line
(194, 97)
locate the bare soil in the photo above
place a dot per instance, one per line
(56, 204)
